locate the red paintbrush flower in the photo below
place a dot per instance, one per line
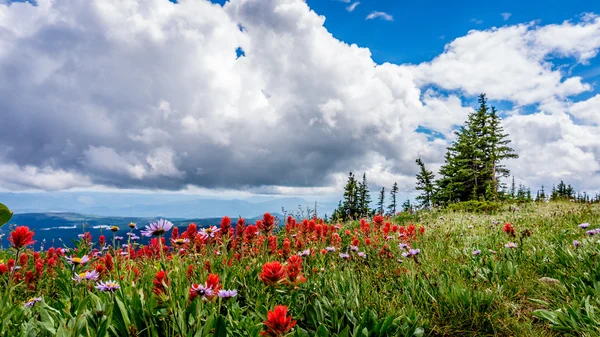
(293, 270)
(278, 323)
(225, 225)
(212, 282)
(21, 237)
(269, 222)
(509, 229)
(160, 282)
(272, 244)
(272, 273)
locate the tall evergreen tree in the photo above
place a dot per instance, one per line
(351, 202)
(364, 197)
(424, 184)
(473, 163)
(512, 188)
(381, 202)
(499, 150)
(393, 204)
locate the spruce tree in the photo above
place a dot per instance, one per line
(473, 163)
(351, 203)
(381, 202)
(425, 185)
(364, 197)
(393, 192)
(512, 188)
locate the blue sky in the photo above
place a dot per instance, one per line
(420, 29)
(152, 96)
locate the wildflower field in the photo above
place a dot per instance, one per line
(528, 272)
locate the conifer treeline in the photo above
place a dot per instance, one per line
(473, 164)
(472, 170)
(357, 200)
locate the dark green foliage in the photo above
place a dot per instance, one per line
(356, 200)
(475, 206)
(393, 204)
(364, 197)
(5, 214)
(381, 201)
(473, 163)
(562, 191)
(425, 181)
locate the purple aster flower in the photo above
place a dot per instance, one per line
(511, 245)
(584, 225)
(208, 232)
(74, 260)
(157, 228)
(227, 293)
(80, 236)
(134, 237)
(32, 301)
(87, 276)
(591, 232)
(201, 290)
(305, 252)
(477, 252)
(118, 238)
(110, 286)
(405, 254)
(344, 256)
(354, 248)
(413, 252)
(576, 243)
(330, 249)
(492, 251)
(362, 254)
(399, 261)
(403, 246)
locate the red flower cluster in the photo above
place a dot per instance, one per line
(509, 229)
(160, 283)
(21, 237)
(272, 274)
(278, 323)
(293, 270)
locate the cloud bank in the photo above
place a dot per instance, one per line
(153, 95)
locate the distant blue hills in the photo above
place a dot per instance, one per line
(151, 205)
(59, 229)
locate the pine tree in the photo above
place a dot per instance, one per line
(543, 194)
(393, 192)
(406, 206)
(351, 202)
(381, 202)
(497, 143)
(512, 188)
(473, 163)
(425, 184)
(364, 197)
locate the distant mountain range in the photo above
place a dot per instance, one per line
(57, 229)
(155, 205)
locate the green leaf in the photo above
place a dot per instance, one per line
(220, 327)
(322, 331)
(5, 215)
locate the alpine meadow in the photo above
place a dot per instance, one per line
(299, 168)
